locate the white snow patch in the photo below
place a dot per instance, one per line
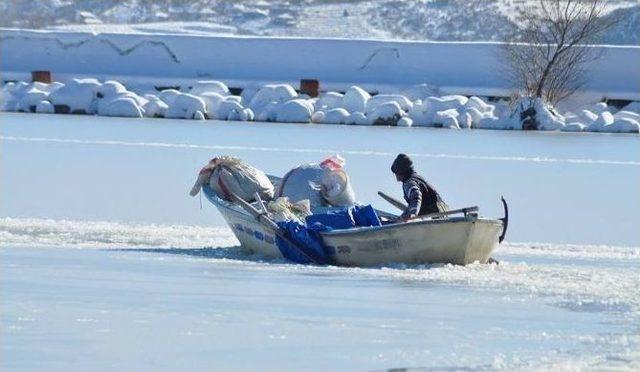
(421, 92)
(154, 107)
(123, 106)
(355, 99)
(405, 122)
(358, 118)
(329, 100)
(183, 105)
(375, 101)
(45, 107)
(387, 113)
(208, 86)
(335, 116)
(80, 95)
(295, 111)
(271, 93)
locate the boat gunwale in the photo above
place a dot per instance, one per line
(221, 203)
(230, 207)
(398, 226)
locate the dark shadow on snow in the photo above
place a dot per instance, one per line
(228, 253)
(238, 254)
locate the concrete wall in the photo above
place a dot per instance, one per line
(461, 67)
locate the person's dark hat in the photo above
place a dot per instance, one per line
(402, 165)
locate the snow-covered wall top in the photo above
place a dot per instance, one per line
(461, 67)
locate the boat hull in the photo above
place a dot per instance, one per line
(460, 240)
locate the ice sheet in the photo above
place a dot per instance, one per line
(107, 264)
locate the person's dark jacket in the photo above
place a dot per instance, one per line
(421, 197)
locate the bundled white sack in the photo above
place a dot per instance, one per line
(302, 183)
(227, 175)
(322, 184)
(335, 186)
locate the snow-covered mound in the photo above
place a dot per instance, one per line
(282, 103)
(115, 100)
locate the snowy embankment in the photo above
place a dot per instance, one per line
(416, 106)
(414, 83)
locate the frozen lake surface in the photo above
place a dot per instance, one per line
(107, 264)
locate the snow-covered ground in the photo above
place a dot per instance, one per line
(463, 20)
(107, 264)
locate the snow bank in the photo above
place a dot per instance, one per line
(281, 103)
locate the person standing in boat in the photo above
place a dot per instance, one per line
(421, 197)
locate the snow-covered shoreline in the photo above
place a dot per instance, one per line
(421, 106)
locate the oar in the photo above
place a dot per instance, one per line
(263, 218)
(393, 201)
(466, 211)
(402, 206)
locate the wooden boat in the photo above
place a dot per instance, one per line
(458, 237)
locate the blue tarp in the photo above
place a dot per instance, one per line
(308, 242)
(347, 218)
(365, 216)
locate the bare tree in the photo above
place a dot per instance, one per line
(548, 55)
